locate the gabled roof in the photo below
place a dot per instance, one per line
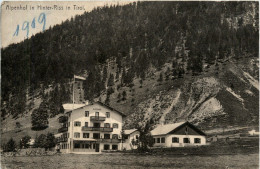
(98, 102)
(165, 129)
(102, 104)
(130, 131)
(170, 128)
(70, 106)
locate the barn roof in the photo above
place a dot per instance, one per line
(165, 129)
(170, 128)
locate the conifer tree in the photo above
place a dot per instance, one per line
(40, 117)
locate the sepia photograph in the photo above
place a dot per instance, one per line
(129, 85)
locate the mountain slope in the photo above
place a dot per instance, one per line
(229, 98)
(162, 62)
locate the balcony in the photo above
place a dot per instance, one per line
(97, 118)
(63, 119)
(108, 140)
(62, 129)
(103, 129)
(62, 139)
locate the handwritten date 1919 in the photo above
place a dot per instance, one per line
(26, 25)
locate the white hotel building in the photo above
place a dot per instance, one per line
(91, 127)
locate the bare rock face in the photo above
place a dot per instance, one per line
(231, 98)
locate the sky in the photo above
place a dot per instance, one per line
(21, 19)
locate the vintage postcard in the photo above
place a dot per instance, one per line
(129, 84)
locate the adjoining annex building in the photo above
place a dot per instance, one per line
(178, 135)
(90, 127)
(131, 139)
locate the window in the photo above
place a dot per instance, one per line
(86, 124)
(136, 137)
(186, 140)
(114, 136)
(126, 137)
(97, 114)
(76, 145)
(86, 113)
(197, 140)
(106, 147)
(96, 135)
(163, 139)
(85, 135)
(87, 146)
(115, 125)
(114, 147)
(158, 140)
(108, 114)
(175, 140)
(107, 125)
(77, 135)
(106, 136)
(154, 140)
(77, 123)
(97, 125)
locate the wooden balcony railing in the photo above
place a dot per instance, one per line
(108, 140)
(97, 118)
(62, 139)
(103, 129)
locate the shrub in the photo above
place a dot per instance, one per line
(24, 142)
(45, 141)
(10, 146)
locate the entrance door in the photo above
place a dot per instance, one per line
(97, 147)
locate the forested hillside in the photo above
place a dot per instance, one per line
(138, 37)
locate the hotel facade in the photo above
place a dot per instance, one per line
(90, 127)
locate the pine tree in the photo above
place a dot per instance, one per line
(123, 76)
(174, 68)
(160, 78)
(124, 95)
(110, 80)
(10, 146)
(119, 96)
(107, 101)
(50, 141)
(141, 83)
(40, 142)
(40, 117)
(104, 74)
